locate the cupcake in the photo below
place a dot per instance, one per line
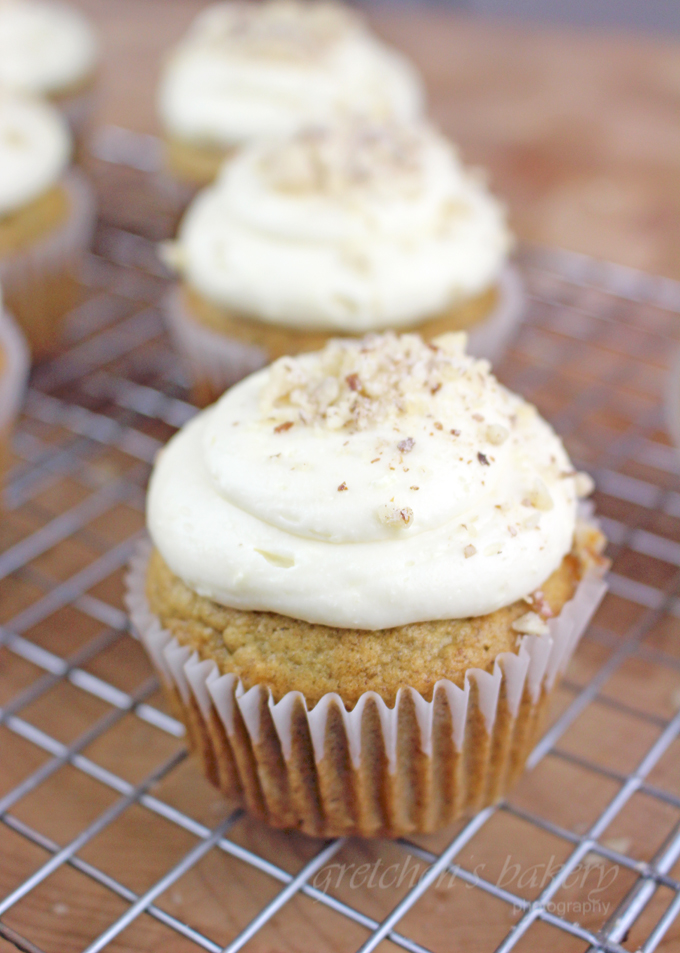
(341, 229)
(46, 218)
(13, 375)
(367, 575)
(49, 50)
(248, 72)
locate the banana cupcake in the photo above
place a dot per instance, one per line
(367, 576)
(49, 50)
(248, 72)
(47, 217)
(14, 363)
(340, 229)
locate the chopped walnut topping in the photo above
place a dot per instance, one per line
(414, 488)
(456, 433)
(343, 486)
(360, 384)
(539, 496)
(283, 427)
(530, 624)
(584, 484)
(483, 459)
(405, 446)
(397, 517)
(469, 550)
(438, 426)
(496, 434)
(339, 160)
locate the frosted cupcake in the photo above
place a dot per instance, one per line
(367, 576)
(46, 218)
(13, 376)
(335, 231)
(248, 72)
(49, 50)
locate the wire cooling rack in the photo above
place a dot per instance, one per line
(109, 836)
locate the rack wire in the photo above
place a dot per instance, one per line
(110, 838)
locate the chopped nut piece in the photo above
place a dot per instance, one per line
(483, 459)
(282, 427)
(456, 433)
(539, 496)
(405, 446)
(469, 550)
(397, 517)
(532, 521)
(353, 382)
(531, 624)
(438, 426)
(415, 488)
(584, 484)
(496, 434)
(343, 486)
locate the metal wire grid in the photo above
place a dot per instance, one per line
(119, 390)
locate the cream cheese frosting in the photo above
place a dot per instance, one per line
(375, 483)
(247, 71)
(357, 227)
(35, 148)
(45, 47)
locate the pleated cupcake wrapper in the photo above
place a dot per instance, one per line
(216, 361)
(13, 371)
(213, 360)
(78, 110)
(374, 770)
(25, 275)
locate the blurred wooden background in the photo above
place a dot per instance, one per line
(579, 130)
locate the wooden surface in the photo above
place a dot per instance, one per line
(579, 131)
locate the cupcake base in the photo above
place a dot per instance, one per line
(38, 280)
(374, 771)
(14, 365)
(220, 350)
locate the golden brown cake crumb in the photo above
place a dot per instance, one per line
(290, 655)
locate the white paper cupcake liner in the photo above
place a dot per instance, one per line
(14, 367)
(215, 361)
(28, 277)
(374, 770)
(490, 338)
(78, 109)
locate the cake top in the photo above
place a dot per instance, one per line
(374, 483)
(359, 225)
(45, 47)
(247, 71)
(35, 148)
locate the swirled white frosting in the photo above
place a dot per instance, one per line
(375, 483)
(357, 228)
(35, 147)
(45, 47)
(247, 71)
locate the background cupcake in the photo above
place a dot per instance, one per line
(50, 50)
(249, 71)
(337, 230)
(14, 363)
(368, 575)
(47, 217)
